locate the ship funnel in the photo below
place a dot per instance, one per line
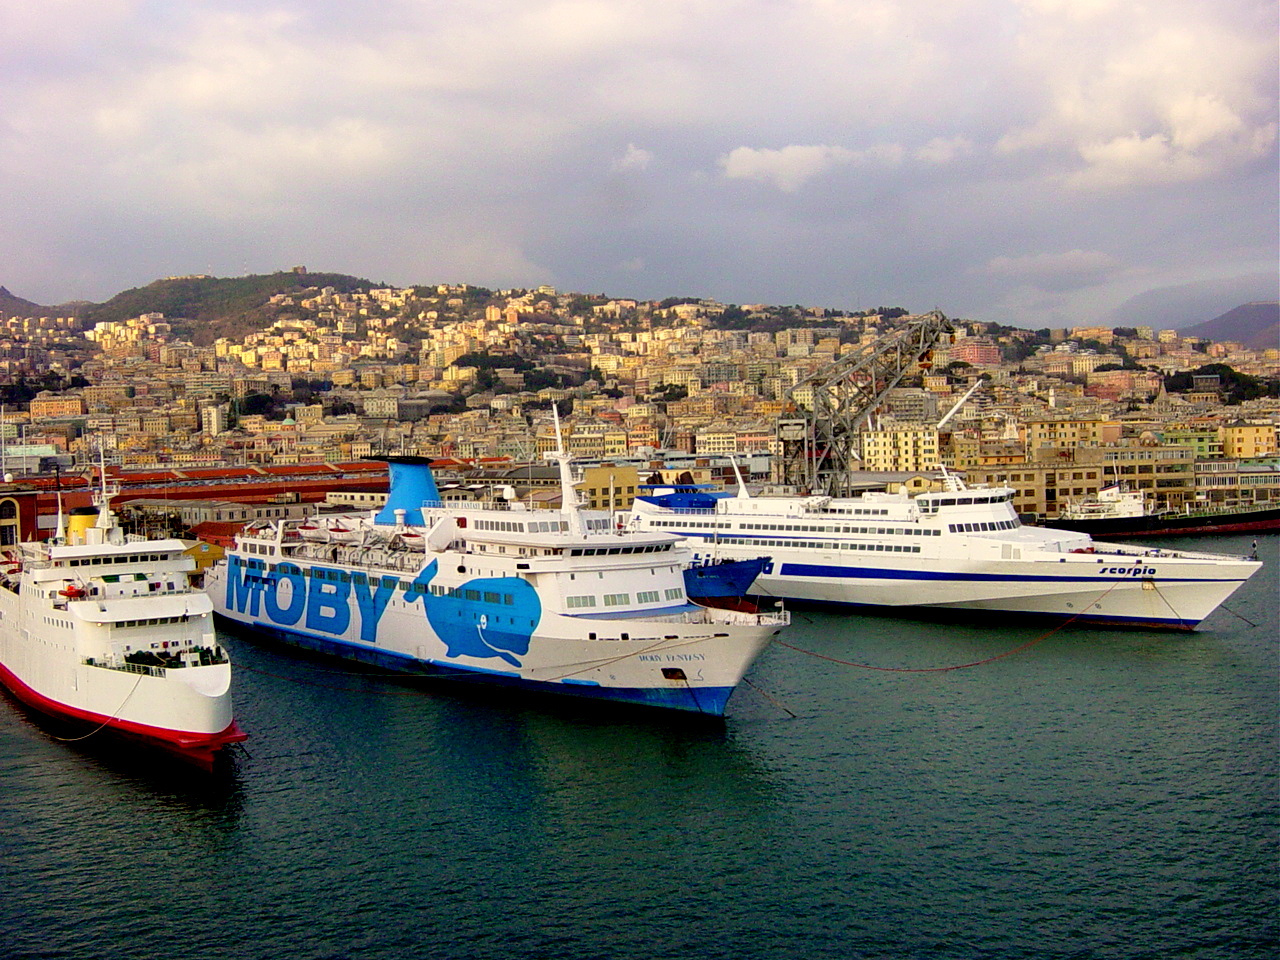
(412, 485)
(82, 520)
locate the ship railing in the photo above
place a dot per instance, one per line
(142, 668)
(715, 615)
(505, 506)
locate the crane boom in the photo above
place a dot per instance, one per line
(821, 442)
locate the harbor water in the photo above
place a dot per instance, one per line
(1098, 794)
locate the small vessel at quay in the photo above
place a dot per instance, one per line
(558, 601)
(1115, 511)
(958, 550)
(107, 632)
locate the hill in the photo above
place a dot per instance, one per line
(1256, 325)
(203, 309)
(1187, 303)
(11, 306)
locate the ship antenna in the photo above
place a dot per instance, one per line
(743, 492)
(106, 519)
(568, 493)
(59, 534)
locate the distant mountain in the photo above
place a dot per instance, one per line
(203, 309)
(12, 306)
(1190, 303)
(1256, 325)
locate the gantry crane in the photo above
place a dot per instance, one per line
(821, 439)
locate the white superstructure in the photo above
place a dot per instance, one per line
(963, 549)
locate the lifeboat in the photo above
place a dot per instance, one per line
(340, 533)
(312, 531)
(72, 592)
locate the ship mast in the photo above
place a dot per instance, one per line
(569, 503)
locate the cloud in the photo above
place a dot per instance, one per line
(634, 160)
(1054, 270)
(1137, 97)
(791, 167)
(945, 149)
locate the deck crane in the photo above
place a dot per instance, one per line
(821, 440)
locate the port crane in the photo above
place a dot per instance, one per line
(821, 440)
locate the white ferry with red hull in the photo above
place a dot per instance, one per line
(554, 601)
(963, 550)
(109, 634)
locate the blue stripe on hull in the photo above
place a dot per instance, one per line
(710, 701)
(939, 611)
(881, 573)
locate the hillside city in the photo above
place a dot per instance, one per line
(468, 375)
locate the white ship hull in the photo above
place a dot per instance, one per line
(1114, 588)
(689, 658)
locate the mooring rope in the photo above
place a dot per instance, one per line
(104, 723)
(957, 666)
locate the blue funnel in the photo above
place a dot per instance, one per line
(411, 485)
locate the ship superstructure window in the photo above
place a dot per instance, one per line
(648, 596)
(579, 602)
(617, 599)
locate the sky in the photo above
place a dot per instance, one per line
(1034, 162)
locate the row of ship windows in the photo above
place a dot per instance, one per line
(622, 599)
(806, 528)
(602, 551)
(409, 588)
(97, 561)
(152, 622)
(827, 545)
(463, 593)
(983, 527)
(334, 576)
(511, 526)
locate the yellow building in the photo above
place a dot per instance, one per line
(44, 407)
(902, 447)
(1243, 441)
(609, 484)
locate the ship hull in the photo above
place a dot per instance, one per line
(724, 583)
(185, 712)
(1133, 590)
(689, 658)
(1173, 524)
(198, 747)
(706, 700)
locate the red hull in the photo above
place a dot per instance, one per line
(200, 749)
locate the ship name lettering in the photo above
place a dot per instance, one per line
(326, 602)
